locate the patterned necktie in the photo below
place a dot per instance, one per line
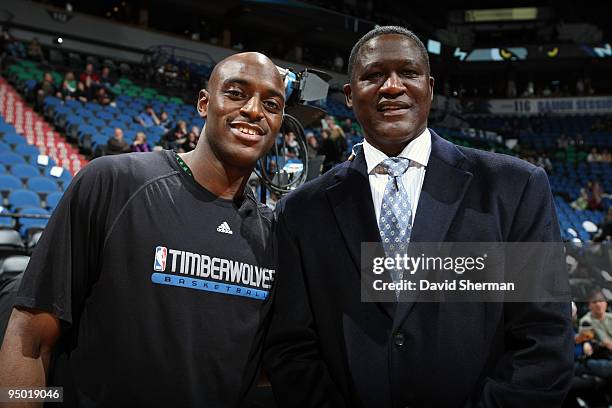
(395, 222)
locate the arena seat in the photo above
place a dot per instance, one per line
(24, 171)
(21, 198)
(42, 185)
(32, 225)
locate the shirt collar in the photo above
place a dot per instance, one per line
(417, 151)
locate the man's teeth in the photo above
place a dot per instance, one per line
(247, 130)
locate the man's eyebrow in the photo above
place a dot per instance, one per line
(376, 64)
(244, 82)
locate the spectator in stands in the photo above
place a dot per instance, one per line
(12, 47)
(175, 138)
(586, 352)
(35, 50)
(290, 146)
(148, 118)
(594, 156)
(563, 141)
(596, 194)
(106, 80)
(117, 144)
(312, 145)
(103, 97)
(604, 232)
(544, 162)
(90, 79)
(164, 121)
(582, 202)
(192, 139)
(69, 85)
(330, 150)
(81, 93)
(45, 88)
(599, 319)
(140, 143)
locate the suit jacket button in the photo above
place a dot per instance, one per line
(398, 339)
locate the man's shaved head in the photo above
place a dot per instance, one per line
(243, 107)
(243, 58)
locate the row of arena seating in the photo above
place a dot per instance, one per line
(27, 74)
(31, 181)
(548, 126)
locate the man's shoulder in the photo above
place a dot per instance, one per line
(497, 163)
(134, 167)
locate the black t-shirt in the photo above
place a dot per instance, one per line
(162, 287)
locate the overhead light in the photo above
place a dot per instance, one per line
(59, 40)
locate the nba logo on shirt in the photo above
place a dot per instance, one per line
(160, 258)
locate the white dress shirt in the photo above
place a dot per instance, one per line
(417, 151)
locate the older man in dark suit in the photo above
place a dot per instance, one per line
(328, 348)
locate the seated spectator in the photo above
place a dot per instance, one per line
(90, 79)
(69, 85)
(140, 143)
(593, 156)
(117, 144)
(106, 80)
(545, 163)
(192, 139)
(312, 145)
(582, 202)
(81, 93)
(586, 350)
(175, 138)
(164, 121)
(596, 194)
(11, 46)
(604, 232)
(290, 146)
(45, 88)
(599, 319)
(103, 97)
(148, 118)
(35, 51)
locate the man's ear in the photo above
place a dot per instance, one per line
(203, 99)
(348, 95)
(431, 86)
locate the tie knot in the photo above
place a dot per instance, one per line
(395, 166)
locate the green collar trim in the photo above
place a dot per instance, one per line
(183, 165)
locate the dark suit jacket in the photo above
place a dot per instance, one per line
(327, 348)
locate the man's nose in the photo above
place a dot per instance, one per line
(252, 109)
(393, 86)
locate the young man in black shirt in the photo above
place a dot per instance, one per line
(149, 286)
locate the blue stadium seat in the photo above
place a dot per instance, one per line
(23, 198)
(42, 185)
(9, 182)
(14, 139)
(25, 171)
(65, 177)
(11, 158)
(34, 161)
(27, 150)
(31, 225)
(5, 222)
(4, 147)
(53, 199)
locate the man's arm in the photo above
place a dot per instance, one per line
(537, 366)
(292, 358)
(25, 355)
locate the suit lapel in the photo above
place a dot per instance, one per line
(351, 202)
(446, 181)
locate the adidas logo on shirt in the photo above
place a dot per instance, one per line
(224, 228)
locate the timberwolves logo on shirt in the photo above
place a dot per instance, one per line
(211, 274)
